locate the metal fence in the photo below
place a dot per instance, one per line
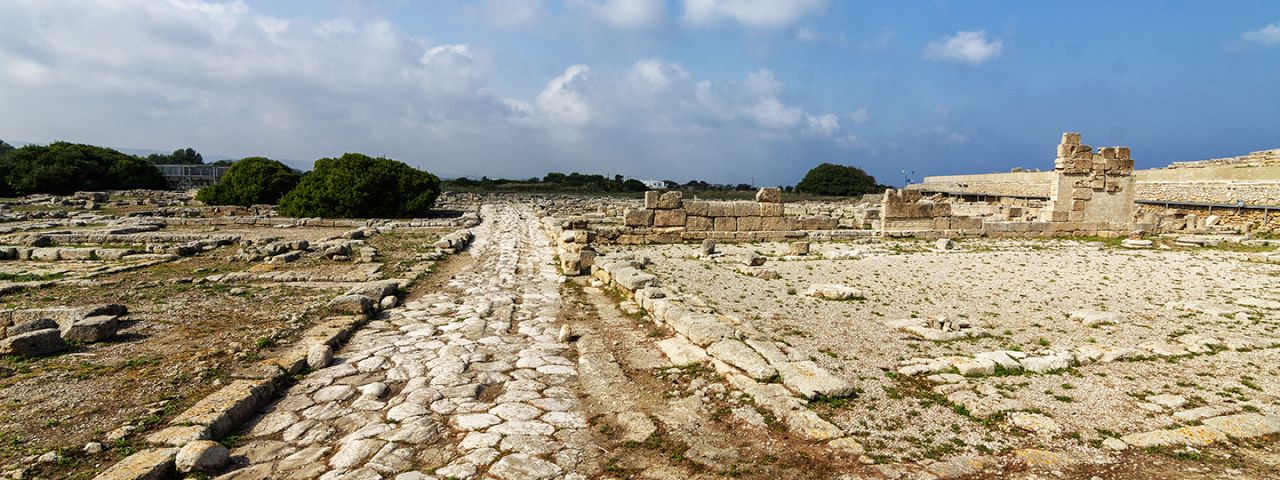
(191, 176)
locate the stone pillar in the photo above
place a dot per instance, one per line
(1091, 187)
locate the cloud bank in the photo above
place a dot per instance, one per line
(225, 78)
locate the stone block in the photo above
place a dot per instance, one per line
(726, 224)
(719, 209)
(150, 464)
(697, 207)
(78, 254)
(91, 329)
(819, 223)
(772, 210)
(1071, 138)
(651, 199)
(353, 304)
(966, 223)
(738, 354)
(228, 408)
(30, 326)
(799, 248)
(46, 254)
(748, 224)
(769, 195)
(34, 343)
(669, 218)
(777, 224)
(637, 218)
(745, 209)
(1081, 193)
(809, 380)
(699, 224)
(669, 200)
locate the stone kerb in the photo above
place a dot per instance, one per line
(752, 365)
(253, 387)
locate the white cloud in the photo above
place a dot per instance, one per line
(823, 125)
(654, 73)
(762, 82)
(861, 115)
(751, 13)
(1267, 36)
(970, 48)
(772, 113)
(808, 34)
(627, 14)
(561, 100)
(451, 70)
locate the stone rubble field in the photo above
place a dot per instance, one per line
(1075, 347)
(254, 347)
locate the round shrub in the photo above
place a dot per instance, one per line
(359, 186)
(252, 181)
(838, 180)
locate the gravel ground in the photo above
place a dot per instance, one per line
(1020, 292)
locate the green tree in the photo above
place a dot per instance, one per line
(838, 180)
(251, 181)
(62, 168)
(633, 185)
(186, 156)
(5, 191)
(359, 186)
(181, 156)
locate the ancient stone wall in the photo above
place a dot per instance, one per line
(1217, 192)
(1015, 184)
(1221, 181)
(1192, 219)
(669, 212)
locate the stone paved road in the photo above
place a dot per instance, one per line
(463, 383)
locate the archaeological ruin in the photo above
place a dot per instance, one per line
(1088, 321)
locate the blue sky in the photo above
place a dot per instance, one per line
(721, 90)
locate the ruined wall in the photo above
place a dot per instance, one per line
(670, 210)
(1091, 187)
(1189, 218)
(1211, 181)
(1016, 184)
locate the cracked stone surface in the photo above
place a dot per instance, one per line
(457, 383)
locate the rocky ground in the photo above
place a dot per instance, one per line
(182, 336)
(1199, 325)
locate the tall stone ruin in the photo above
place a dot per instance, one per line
(1091, 187)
